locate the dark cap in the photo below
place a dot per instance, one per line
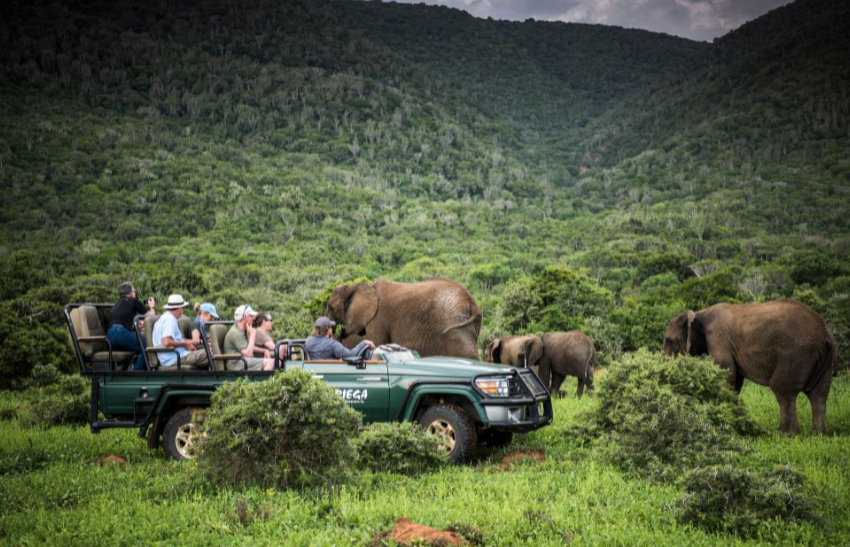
(323, 323)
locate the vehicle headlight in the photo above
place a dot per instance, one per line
(495, 387)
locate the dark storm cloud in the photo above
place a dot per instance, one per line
(695, 19)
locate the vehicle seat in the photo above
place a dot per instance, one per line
(216, 343)
(94, 346)
(185, 327)
(152, 351)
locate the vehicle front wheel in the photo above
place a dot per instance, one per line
(180, 435)
(455, 428)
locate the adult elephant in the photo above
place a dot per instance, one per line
(782, 344)
(433, 317)
(517, 351)
(566, 354)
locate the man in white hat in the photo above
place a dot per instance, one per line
(167, 334)
(241, 339)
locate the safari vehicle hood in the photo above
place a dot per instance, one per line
(444, 367)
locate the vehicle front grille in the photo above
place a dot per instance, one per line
(532, 382)
(514, 387)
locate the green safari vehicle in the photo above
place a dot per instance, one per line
(468, 403)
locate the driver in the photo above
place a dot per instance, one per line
(321, 345)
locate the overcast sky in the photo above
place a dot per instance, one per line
(694, 19)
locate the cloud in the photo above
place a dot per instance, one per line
(694, 19)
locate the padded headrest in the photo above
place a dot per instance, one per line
(87, 323)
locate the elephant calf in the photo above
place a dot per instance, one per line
(782, 344)
(553, 356)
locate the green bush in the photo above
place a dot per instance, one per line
(64, 402)
(726, 498)
(288, 431)
(657, 416)
(28, 341)
(558, 299)
(403, 448)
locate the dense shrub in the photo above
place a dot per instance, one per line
(288, 431)
(28, 341)
(64, 402)
(726, 498)
(720, 286)
(558, 299)
(657, 416)
(403, 448)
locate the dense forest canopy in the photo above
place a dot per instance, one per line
(571, 176)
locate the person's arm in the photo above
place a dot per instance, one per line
(248, 351)
(340, 351)
(196, 337)
(170, 342)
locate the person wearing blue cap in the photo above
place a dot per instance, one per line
(204, 313)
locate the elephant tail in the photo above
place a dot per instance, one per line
(474, 320)
(589, 362)
(826, 363)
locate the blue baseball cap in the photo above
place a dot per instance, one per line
(206, 307)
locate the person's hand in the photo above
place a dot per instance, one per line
(267, 354)
(370, 343)
(250, 330)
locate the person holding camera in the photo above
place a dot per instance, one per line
(120, 333)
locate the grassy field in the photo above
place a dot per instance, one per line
(54, 490)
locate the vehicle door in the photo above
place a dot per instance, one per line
(366, 389)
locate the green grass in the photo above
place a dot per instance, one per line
(62, 495)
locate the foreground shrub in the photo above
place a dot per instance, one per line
(64, 402)
(404, 448)
(724, 498)
(288, 431)
(656, 417)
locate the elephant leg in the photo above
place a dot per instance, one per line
(580, 388)
(817, 397)
(787, 413)
(544, 374)
(818, 412)
(739, 382)
(557, 380)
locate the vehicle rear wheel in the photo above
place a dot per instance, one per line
(455, 428)
(180, 435)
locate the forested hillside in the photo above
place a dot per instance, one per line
(572, 176)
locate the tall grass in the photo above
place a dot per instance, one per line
(68, 497)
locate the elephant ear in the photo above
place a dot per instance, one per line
(493, 351)
(533, 351)
(361, 307)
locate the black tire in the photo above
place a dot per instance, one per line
(495, 439)
(180, 434)
(456, 429)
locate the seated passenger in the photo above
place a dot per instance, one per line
(120, 333)
(167, 334)
(321, 345)
(263, 340)
(241, 338)
(204, 313)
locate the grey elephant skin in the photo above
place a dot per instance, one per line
(567, 354)
(433, 317)
(554, 356)
(782, 344)
(517, 351)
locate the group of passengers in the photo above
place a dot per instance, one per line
(249, 336)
